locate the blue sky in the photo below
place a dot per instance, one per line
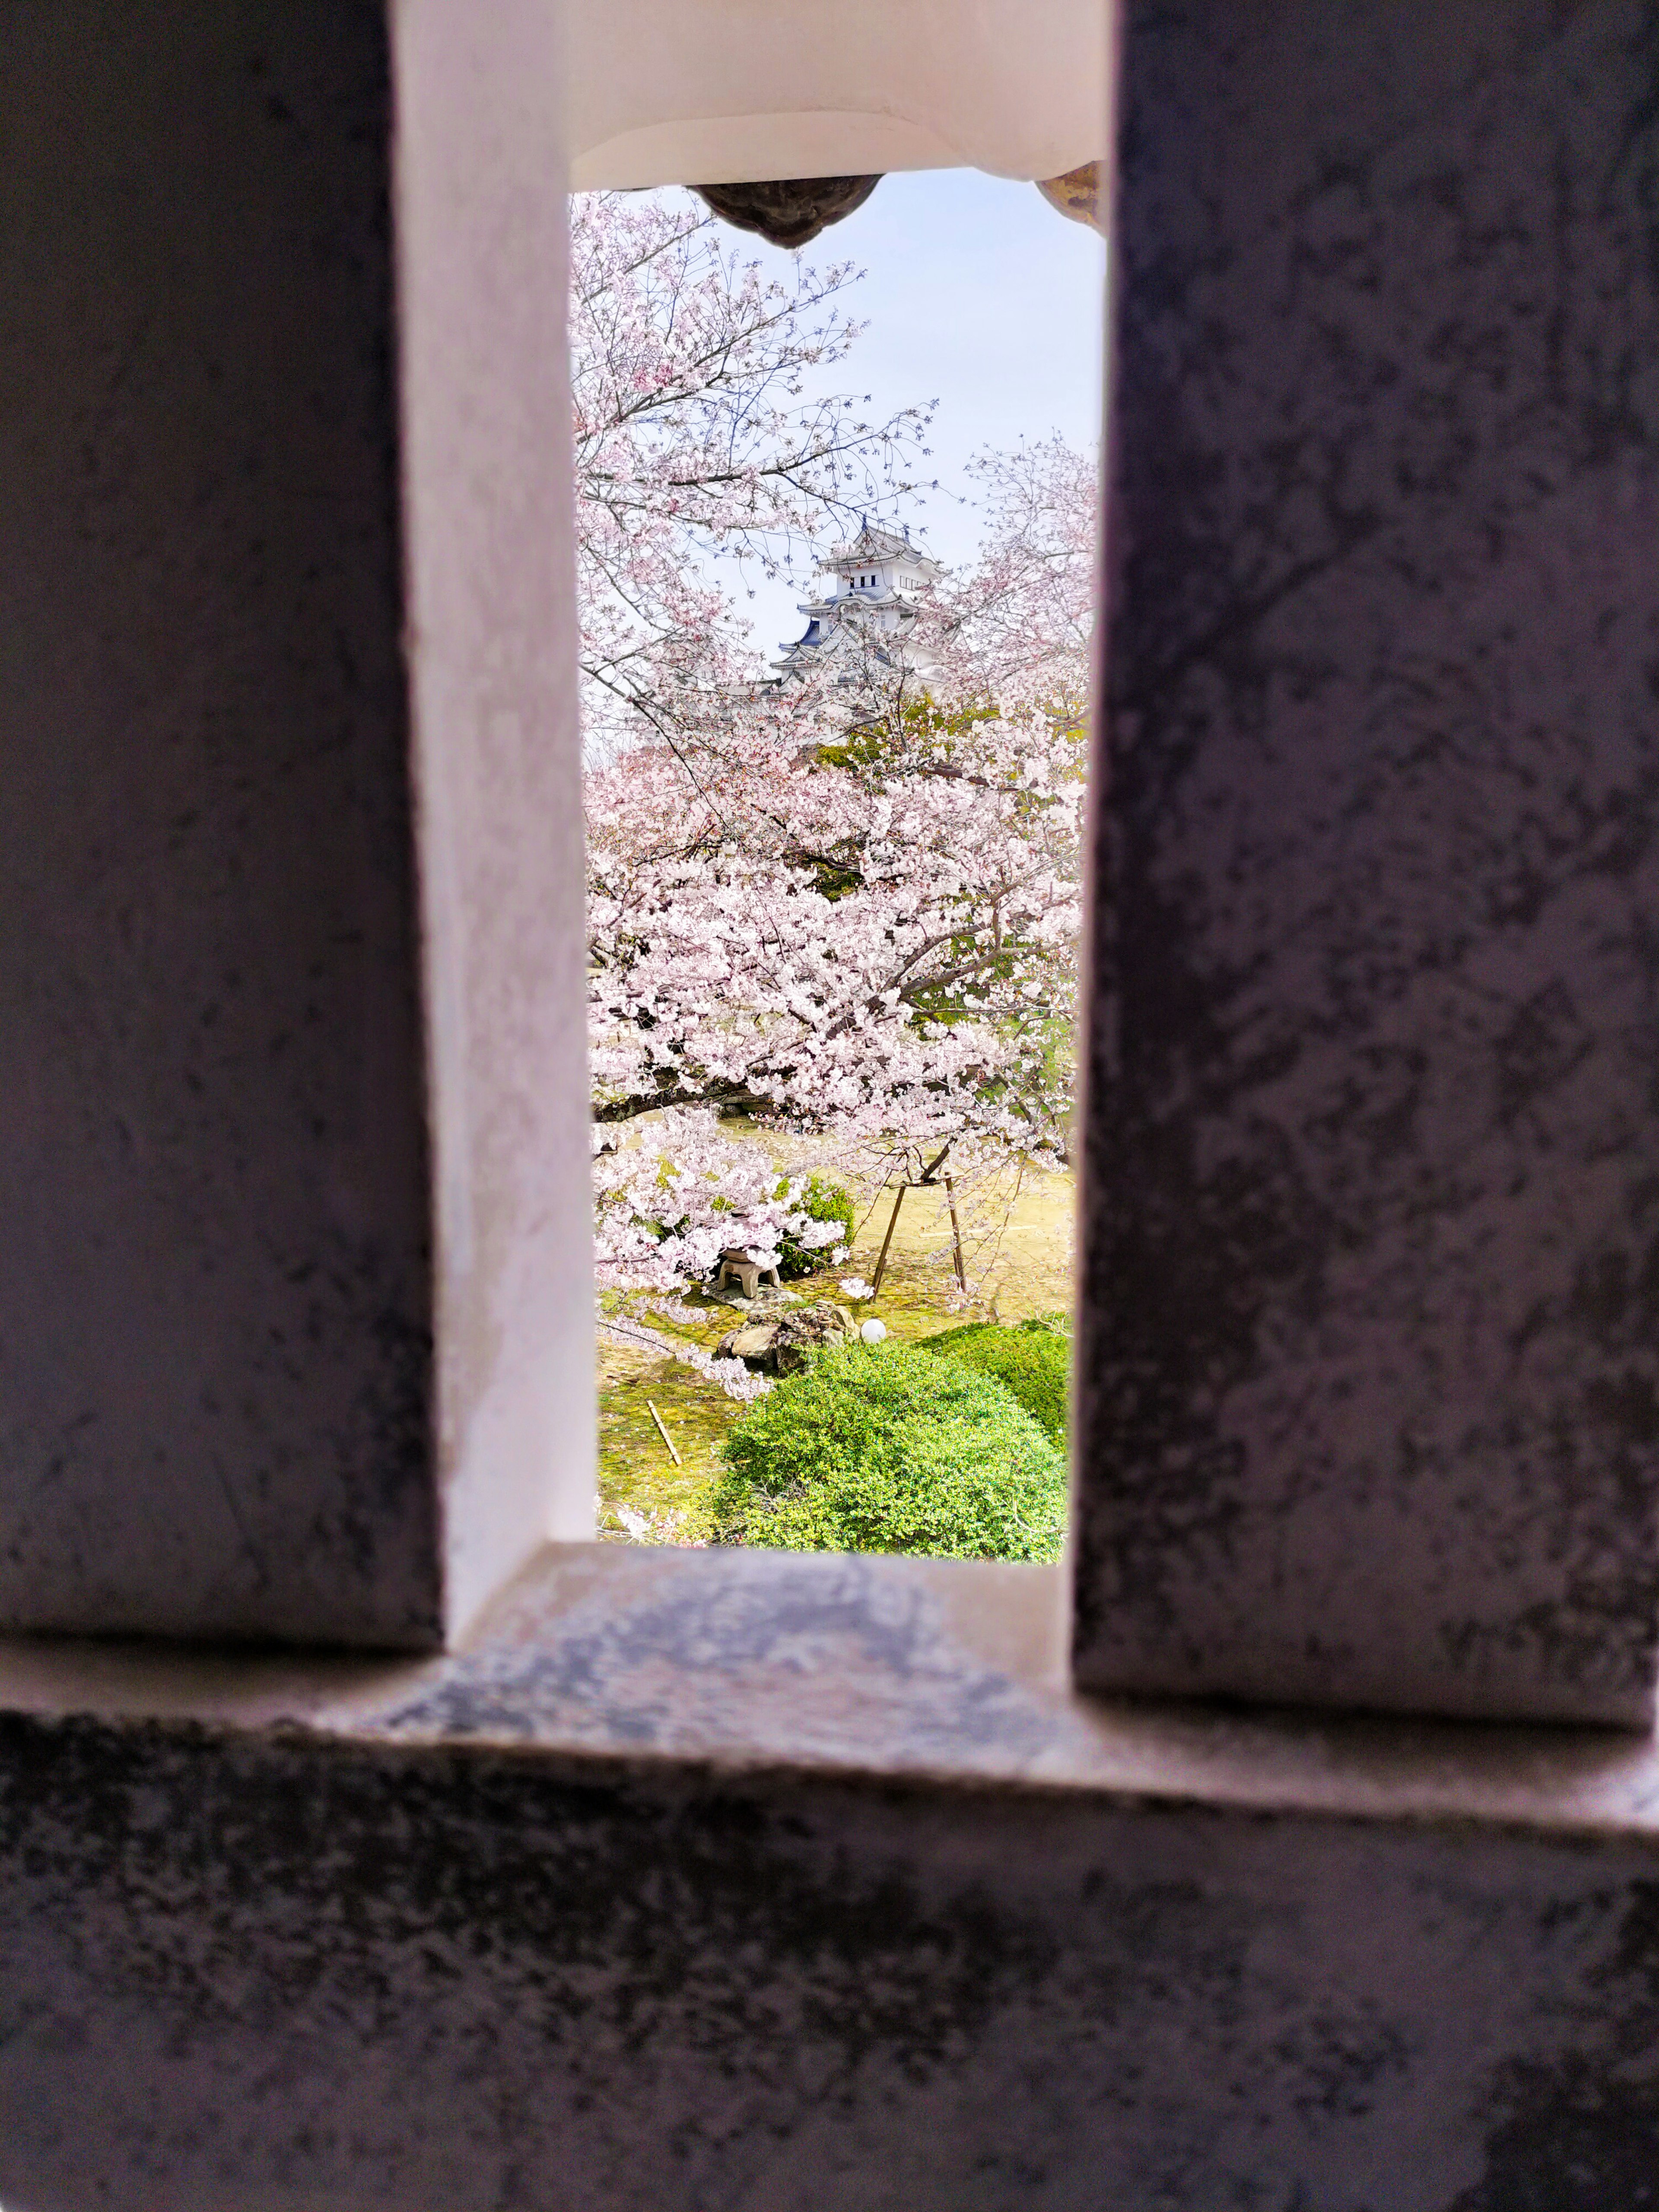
(979, 294)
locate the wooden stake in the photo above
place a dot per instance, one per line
(955, 1235)
(664, 1434)
(881, 1264)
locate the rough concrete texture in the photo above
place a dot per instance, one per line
(538, 1927)
(1368, 1348)
(215, 1314)
(217, 1402)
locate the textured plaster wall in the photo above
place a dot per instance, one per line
(264, 1112)
(503, 1945)
(482, 267)
(1369, 1351)
(214, 1307)
(665, 91)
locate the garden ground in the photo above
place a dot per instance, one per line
(1029, 1273)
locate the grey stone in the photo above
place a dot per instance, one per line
(1369, 1336)
(752, 1273)
(783, 1346)
(752, 1341)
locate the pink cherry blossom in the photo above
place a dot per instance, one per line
(847, 903)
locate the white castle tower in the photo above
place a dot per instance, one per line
(869, 604)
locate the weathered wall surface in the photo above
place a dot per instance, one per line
(215, 1310)
(661, 93)
(1368, 1354)
(268, 1103)
(714, 1883)
(264, 1974)
(662, 1896)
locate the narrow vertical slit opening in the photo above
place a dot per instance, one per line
(836, 522)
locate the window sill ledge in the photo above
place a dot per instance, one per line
(884, 1670)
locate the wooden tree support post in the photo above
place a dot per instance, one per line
(881, 1264)
(955, 1235)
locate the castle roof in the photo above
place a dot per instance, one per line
(873, 543)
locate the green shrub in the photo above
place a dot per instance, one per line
(879, 1448)
(821, 1200)
(1031, 1360)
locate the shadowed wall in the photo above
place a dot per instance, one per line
(1368, 1348)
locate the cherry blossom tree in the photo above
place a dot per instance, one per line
(856, 918)
(671, 1204)
(846, 903)
(702, 431)
(1024, 614)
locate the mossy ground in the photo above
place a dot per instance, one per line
(1031, 1274)
(634, 1468)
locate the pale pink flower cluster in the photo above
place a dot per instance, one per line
(695, 435)
(677, 1194)
(846, 903)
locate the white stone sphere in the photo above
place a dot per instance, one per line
(873, 1332)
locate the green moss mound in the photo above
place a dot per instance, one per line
(882, 1449)
(1031, 1359)
(821, 1200)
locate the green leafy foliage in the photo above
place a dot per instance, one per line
(1032, 1360)
(821, 1200)
(882, 1448)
